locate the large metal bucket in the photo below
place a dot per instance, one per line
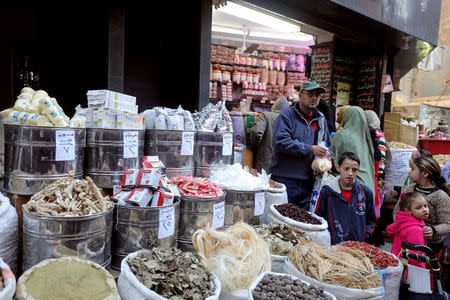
(105, 159)
(30, 157)
(208, 153)
(167, 145)
(240, 207)
(138, 228)
(87, 237)
(195, 213)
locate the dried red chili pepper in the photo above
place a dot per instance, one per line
(380, 259)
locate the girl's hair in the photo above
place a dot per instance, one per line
(421, 152)
(406, 200)
(431, 166)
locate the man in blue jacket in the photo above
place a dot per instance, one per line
(297, 134)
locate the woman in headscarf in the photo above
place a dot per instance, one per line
(355, 137)
(340, 111)
(261, 134)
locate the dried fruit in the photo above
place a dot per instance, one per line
(296, 213)
(172, 273)
(280, 237)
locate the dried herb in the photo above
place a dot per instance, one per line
(296, 213)
(173, 274)
(280, 237)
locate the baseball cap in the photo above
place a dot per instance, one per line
(312, 85)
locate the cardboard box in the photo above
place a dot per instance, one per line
(394, 131)
(99, 97)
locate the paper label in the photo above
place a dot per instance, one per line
(130, 144)
(187, 143)
(218, 218)
(260, 203)
(65, 145)
(166, 222)
(227, 141)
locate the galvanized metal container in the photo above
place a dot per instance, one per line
(87, 237)
(240, 206)
(105, 159)
(195, 213)
(31, 157)
(209, 152)
(167, 144)
(138, 228)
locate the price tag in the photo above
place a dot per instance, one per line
(130, 144)
(187, 143)
(227, 144)
(218, 219)
(166, 222)
(260, 203)
(65, 145)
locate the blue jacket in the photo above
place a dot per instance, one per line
(292, 142)
(347, 222)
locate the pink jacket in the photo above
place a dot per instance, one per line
(406, 228)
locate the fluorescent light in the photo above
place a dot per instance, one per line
(282, 36)
(216, 28)
(255, 16)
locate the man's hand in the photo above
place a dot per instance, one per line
(319, 151)
(427, 232)
(318, 174)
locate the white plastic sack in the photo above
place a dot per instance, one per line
(9, 282)
(397, 170)
(318, 233)
(235, 295)
(130, 288)
(338, 291)
(260, 277)
(160, 120)
(9, 237)
(391, 279)
(278, 263)
(234, 177)
(150, 116)
(274, 196)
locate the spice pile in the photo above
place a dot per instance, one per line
(442, 159)
(196, 187)
(69, 197)
(339, 265)
(380, 259)
(280, 237)
(284, 287)
(400, 145)
(173, 274)
(296, 213)
(237, 256)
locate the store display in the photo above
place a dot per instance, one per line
(338, 265)
(213, 118)
(69, 197)
(67, 278)
(380, 259)
(296, 213)
(237, 256)
(282, 286)
(281, 238)
(222, 54)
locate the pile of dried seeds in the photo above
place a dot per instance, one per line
(173, 274)
(280, 237)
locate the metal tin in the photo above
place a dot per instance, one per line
(30, 158)
(105, 160)
(137, 228)
(208, 153)
(167, 145)
(87, 237)
(240, 206)
(195, 213)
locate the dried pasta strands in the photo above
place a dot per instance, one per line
(345, 267)
(237, 256)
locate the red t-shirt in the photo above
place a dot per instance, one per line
(346, 194)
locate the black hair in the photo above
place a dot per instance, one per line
(348, 155)
(406, 199)
(429, 165)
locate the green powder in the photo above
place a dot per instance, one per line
(67, 280)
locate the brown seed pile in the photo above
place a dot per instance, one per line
(296, 213)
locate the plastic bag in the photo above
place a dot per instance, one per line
(9, 237)
(161, 117)
(188, 121)
(234, 177)
(79, 118)
(150, 116)
(322, 164)
(391, 278)
(317, 187)
(9, 281)
(130, 288)
(206, 120)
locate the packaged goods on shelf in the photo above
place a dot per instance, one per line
(164, 118)
(196, 187)
(213, 118)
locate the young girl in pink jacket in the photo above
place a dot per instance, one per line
(409, 224)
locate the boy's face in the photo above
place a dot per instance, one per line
(348, 170)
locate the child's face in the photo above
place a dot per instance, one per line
(415, 174)
(348, 171)
(418, 208)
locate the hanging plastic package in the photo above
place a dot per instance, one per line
(161, 118)
(149, 115)
(188, 121)
(52, 112)
(79, 118)
(206, 120)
